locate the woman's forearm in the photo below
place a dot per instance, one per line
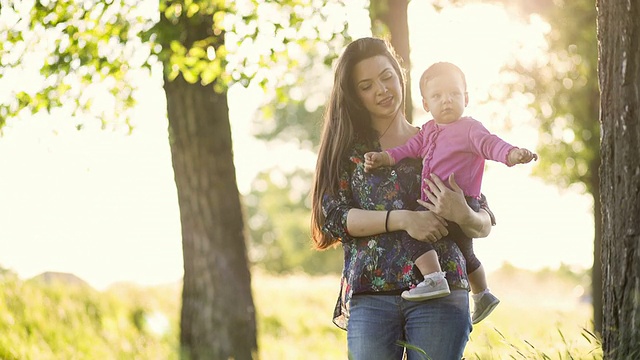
(475, 224)
(420, 225)
(450, 203)
(373, 222)
(366, 222)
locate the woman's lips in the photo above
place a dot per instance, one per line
(386, 101)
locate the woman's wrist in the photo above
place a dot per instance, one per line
(396, 220)
(475, 224)
(466, 217)
(386, 221)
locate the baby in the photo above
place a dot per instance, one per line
(451, 144)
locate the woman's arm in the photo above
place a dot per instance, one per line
(475, 224)
(420, 225)
(451, 205)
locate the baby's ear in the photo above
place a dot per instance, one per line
(426, 106)
(466, 99)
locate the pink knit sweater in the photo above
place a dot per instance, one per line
(460, 147)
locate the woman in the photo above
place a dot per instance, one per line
(370, 213)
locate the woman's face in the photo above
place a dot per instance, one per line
(378, 86)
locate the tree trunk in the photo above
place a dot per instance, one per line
(389, 17)
(619, 76)
(596, 270)
(218, 315)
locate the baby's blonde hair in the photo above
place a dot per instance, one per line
(437, 69)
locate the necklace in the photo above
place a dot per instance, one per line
(388, 126)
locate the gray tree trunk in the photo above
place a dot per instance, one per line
(218, 315)
(619, 76)
(389, 19)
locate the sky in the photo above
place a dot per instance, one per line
(103, 205)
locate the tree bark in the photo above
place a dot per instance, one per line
(391, 16)
(218, 315)
(619, 77)
(596, 270)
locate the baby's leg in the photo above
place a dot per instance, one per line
(434, 284)
(475, 270)
(483, 300)
(478, 280)
(428, 262)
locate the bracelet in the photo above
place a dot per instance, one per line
(386, 221)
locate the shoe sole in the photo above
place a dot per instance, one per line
(486, 312)
(422, 297)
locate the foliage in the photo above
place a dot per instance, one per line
(239, 41)
(79, 57)
(293, 107)
(297, 119)
(538, 318)
(209, 44)
(561, 90)
(278, 212)
(90, 55)
(62, 321)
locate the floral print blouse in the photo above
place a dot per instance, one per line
(379, 263)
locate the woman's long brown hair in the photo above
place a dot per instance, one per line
(345, 120)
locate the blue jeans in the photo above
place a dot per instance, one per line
(380, 326)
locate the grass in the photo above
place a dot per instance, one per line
(541, 316)
(294, 317)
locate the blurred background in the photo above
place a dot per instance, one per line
(98, 199)
(103, 204)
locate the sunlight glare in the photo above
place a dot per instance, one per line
(104, 206)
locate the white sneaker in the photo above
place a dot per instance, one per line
(429, 288)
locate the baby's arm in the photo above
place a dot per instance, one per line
(520, 156)
(374, 160)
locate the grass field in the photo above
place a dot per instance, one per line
(542, 316)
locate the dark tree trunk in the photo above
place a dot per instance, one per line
(218, 316)
(619, 76)
(389, 17)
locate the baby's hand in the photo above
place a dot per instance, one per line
(373, 160)
(521, 156)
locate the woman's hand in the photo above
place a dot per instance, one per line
(420, 225)
(451, 205)
(447, 203)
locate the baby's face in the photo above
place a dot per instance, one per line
(445, 97)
